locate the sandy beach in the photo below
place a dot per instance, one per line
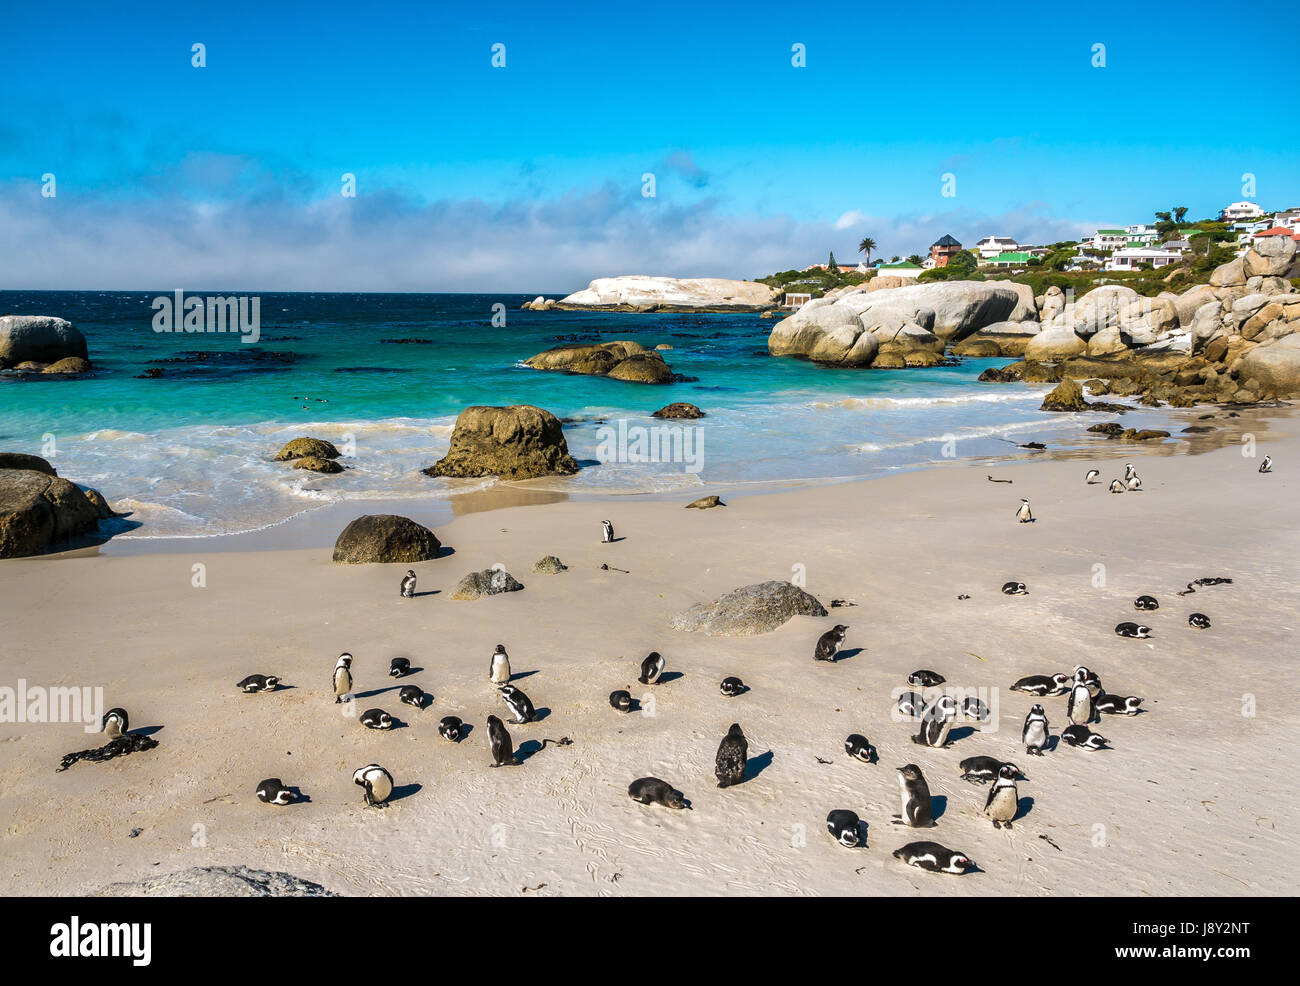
(1190, 800)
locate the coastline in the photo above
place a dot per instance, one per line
(1177, 817)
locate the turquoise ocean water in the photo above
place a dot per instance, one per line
(189, 453)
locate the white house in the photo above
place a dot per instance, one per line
(991, 246)
(1240, 210)
(1290, 219)
(1109, 239)
(1133, 258)
(1142, 233)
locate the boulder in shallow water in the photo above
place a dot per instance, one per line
(679, 409)
(749, 610)
(69, 366)
(1068, 396)
(489, 582)
(518, 442)
(38, 339)
(383, 538)
(300, 448)
(217, 881)
(317, 463)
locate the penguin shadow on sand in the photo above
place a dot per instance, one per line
(1023, 807)
(668, 676)
(522, 674)
(845, 654)
(299, 798)
(425, 592)
(938, 805)
(960, 733)
(756, 765)
(403, 791)
(145, 730)
(388, 688)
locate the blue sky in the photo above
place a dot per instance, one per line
(528, 177)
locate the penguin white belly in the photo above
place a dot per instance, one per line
(1004, 805)
(380, 786)
(1036, 735)
(1080, 705)
(500, 669)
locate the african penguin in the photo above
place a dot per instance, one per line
(408, 585)
(377, 782)
(933, 857)
(621, 700)
(376, 719)
(911, 704)
(115, 723)
(499, 669)
(845, 827)
(1116, 486)
(258, 683)
(399, 667)
(503, 750)
(1043, 684)
(925, 679)
(916, 798)
(1117, 705)
(858, 748)
(653, 791)
(1132, 630)
(342, 677)
(1034, 734)
(981, 770)
(1134, 482)
(974, 708)
(1083, 737)
(1198, 621)
(1092, 476)
(1146, 603)
(1078, 708)
(1003, 801)
(1014, 589)
(651, 668)
(829, 643)
(519, 704)
(1129, 471)
(731, 687)
(1091, 679)
(733, 752)
(1023, 513)
(1267, 464)
(273, 792)
(936, 722)
(449, 728)
(412, 695)
(606, 532)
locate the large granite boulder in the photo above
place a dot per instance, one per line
(300, 448)
(68, 366)
(1068, 396)
(217, 881)
(1207, 322)
(641, 293)
(1191, 301)
(1099, 308)
(1056, 341)
(21, 460)
(1269, 256)
(1144, 320)
(38, 339)
(517, 442)
(39, 511)
(679, 409)
(621, 360)
(998, 339)
(1229, 275)
(1026, 309)
(383, 538)
(749, 610)
(1275, 365)
(316, 463)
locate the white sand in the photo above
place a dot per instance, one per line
(1195, 797)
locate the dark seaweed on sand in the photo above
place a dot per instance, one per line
(119, 747)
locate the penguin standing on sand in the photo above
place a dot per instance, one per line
(503, 750)
(1003, 800)
(115, 723)
(916, 798)
(1129, 471)
(1134, 482)
(829, 643)
(651, 668)
(1024, 514)
(520, 704)
(408, 585)
(1267, 464)
(272, 792)
(606, 532)
(733, 752)
(499, 671)
(1116, 486)
(936, 722)
(342, 677)
(1078, 708)
(1092, 476)
(377, 782)
(1034, 735)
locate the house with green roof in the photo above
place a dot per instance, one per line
(903, 268)
(1015, 258)
(1110, 239)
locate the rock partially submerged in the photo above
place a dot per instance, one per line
(300, 448)
(385, 538)
(643, 293)
(749, 610)
(39, 510)
(316, 463)
(489, 582)
(618, 360)
(517, 442)
(217, 881)
(21, 460)
(38, 339)
(679, 409)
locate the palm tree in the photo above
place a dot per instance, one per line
(866, 246)
(1180, 213)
